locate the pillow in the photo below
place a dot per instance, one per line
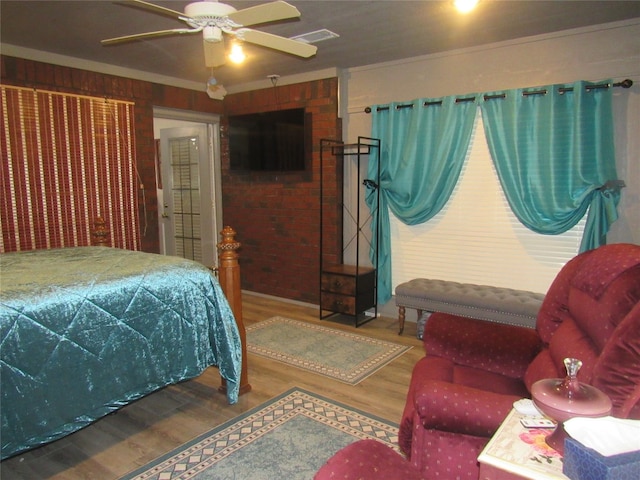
(618, 370)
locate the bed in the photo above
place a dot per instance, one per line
(87, 330)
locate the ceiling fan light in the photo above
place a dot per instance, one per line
(465, 6)
(212, 34)
(237, 54)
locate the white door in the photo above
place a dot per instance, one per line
(188, 213)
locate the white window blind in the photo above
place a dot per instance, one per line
(476, 238)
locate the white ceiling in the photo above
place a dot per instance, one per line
(370, 32)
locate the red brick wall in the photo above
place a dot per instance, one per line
(146, 95)
(277, 216)
(277, 219)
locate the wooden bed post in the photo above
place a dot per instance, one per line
(229, 277)
(100, 233)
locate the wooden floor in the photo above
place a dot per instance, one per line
(154, 425)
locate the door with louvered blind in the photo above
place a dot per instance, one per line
(188, 213)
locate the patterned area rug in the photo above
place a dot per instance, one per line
(344, 356)
(290, 437)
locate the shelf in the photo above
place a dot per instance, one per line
(348, 288)
(352, 149)
(348, 269)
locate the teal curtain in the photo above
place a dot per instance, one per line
(554, 152)
(422, 152)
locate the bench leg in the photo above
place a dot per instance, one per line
(401, 316)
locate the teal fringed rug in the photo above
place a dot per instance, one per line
(289, 437)
(344, 356)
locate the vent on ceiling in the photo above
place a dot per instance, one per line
(315, 37)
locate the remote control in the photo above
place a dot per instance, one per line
(525, 406)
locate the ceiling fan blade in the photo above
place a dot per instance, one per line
(152, 7)
(142, 36)
(276, 42)
(267, 12)
(214, 54)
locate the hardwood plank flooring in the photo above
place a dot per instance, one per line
(162, 421)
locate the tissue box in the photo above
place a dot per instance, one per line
(582, 463)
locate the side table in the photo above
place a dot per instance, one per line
(516, 452)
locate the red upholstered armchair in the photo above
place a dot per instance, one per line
(474, 370)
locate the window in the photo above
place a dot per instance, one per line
(67, 159)
(477, 239)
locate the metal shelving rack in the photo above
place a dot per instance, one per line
(349, 288)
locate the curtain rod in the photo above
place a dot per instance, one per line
(624, 84)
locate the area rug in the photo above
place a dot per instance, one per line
(289, 437)
(334, 353)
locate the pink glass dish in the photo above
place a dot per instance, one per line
(563, 398)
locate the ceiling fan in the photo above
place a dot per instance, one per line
(214, 19)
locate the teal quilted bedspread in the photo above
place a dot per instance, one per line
(84, 331)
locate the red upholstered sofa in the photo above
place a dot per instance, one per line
(474, 370)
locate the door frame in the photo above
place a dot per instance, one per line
(212, 122)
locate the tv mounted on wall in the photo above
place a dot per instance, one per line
(275, 141)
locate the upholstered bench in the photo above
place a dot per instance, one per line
(504, 305)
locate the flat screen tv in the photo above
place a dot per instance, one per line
(275, 141)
